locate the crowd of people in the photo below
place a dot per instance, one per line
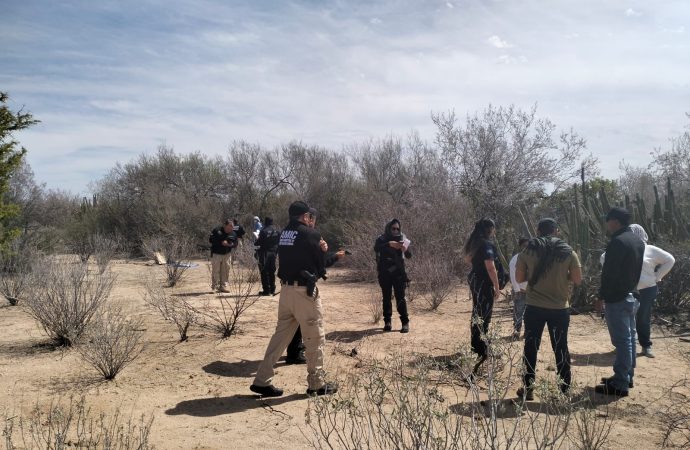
(541, 274)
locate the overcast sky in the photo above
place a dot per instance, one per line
(112, 79)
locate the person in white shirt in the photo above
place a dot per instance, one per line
(519, 291)
(656, 264)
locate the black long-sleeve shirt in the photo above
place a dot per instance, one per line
(218, 235)
(268, 239)
(299, 249)
(622, 266)
(389, 261)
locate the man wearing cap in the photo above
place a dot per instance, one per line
(299, 252)
(266, 246)
(548, 265)
(222, 240)
(619, 278)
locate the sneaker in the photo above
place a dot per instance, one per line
(266, 391)
(262, 293)
(525, 393)
(405, 328)
(387, 326)
(647, 351)
(607, 380)
(607, 389)
(326, 389)
(299, 359)
(224, 290)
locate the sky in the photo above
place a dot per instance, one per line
(110, 80)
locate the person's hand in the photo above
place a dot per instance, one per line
(340, 254)
(396, 245)
(497, 292)
(598, 305)
(225, 244)
(324, 245)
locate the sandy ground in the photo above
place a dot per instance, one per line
(198, 393)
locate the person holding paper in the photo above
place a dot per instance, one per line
(391, 248)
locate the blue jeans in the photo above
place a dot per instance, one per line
(647, 299)
(620, 318)
(519, 299)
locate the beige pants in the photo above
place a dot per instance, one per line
(220, 271)
(295, 308)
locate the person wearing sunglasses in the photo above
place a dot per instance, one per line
(391, 248)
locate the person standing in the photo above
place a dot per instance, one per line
(222, 240)
(619, 278)
(481, 253)
(657, 263)
(299, 304)
(518, 289)
(391, 248)
(548, 265)
(267, 251)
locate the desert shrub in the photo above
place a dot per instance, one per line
(223, 314)
(177, 252)
(375, 304)
(105, 248)
(434, 279)
(172, 308)
(72, 424)
(111, 342)
(65, 298)
(15, 272)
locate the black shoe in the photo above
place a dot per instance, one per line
(266, 391)
(605, 380)
(387, 326)
(299, 359)
(405, 328)
(607, 389)
(326, 389)
(525, 393)
(262, 293)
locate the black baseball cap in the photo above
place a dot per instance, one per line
(298, 208)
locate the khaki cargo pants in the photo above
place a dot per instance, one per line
(295, 308)
(220, 270)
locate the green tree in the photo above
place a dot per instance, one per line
(11, 155)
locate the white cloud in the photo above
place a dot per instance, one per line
(375, 21)
(632, 13)
(498, 42)
(449, 5)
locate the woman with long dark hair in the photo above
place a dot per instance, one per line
(481, 253)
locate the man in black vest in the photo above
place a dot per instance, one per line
(267, 251)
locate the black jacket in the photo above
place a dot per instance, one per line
(269, 236)
(622, 266)
(299, 249)
(389, 261)
(218, 235)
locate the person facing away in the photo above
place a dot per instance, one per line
(299, 304)
(391, 248)
(656, 264)
(619, 278)
(267, 252)
(222, 240)
(481, 253)
(549, 266)
(519, 290)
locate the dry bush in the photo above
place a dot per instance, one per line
(434, 279)
(674, 289)
(223, 315)
(676, 417)
(105, 249)
(72, 424)
(439, 403)
(172, 308)
(375, 303)
(65, 298)
(111, 342)
(15, 273)
(177, 252)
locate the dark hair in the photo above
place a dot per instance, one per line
(547, 226)
(479, 235)
(228, 222)
(522, 240)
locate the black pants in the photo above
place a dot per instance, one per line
(482, 309)
(557, 321)
(267, 266)
(296, 345)
(389, 285)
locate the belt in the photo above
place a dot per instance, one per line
(293, 282)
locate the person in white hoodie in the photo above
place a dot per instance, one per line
(519, 291)
(656, 264)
